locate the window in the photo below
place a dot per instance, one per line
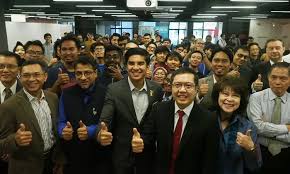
(121, 27)
(202, 29)
(177, 31)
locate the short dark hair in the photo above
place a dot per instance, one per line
(11, 54)
(161, 49)
(85, 60)
(114, 34)
(70, 37)
(34, 42)
(18, 43)
(179, 45)
(113, 48)
(46, 34)
(185, 70)
(150, 43)
(273, 40)
(280, 65)
(174, 54)
(253, 43)
(235, 84)
(242, 47)
(121, 38)
(147, 34)
(94, 45)
(137, 51)
(41, 63)
(167, 39)
(197, 51)
(226, 50)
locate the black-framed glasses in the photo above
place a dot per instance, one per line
(8, 66)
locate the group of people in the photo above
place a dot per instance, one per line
(128, 108)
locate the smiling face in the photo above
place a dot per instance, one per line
(228, 100)
(220, 64)
(279, 81)
(8, 70)
(159, 76)
(240, 57)
(136, 67)
(275, 50)
(85, 75)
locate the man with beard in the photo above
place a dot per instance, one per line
(62, 74)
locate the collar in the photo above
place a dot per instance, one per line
(186, 110)
(31, 98)
(214, 79)
(271, 62)
(13, 87)
(272, 95)
(132, 87)
(235, 118)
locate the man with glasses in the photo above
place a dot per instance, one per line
(77, 124)
(28, 123)
(34, 50)
(186, 135)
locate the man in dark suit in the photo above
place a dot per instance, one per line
(274, 50)
(9, 85)
(127, 106)
(186, 134)
(28, 123)
(77, 124)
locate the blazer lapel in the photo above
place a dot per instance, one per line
(29, 111)
(128, 98)
(169, 125)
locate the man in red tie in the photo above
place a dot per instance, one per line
(186, 134)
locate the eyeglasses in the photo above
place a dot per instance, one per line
(37, 53)
(34, 75)
(8, 66)
(187, 86)
(79, 74)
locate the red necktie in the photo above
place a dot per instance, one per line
(176, 140)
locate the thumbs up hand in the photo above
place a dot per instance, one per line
(245, 140)
(104, 137)
(62, 78)
(67, 132)
(258, 84)
(235, 72)
(23, 137)
(82, 131)
(203, 88)
(137, 142)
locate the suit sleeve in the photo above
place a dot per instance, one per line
(7, 130)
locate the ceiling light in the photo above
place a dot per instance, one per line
(96, 6)
(78, 0)
(172, 7)
(176, 0)
(14, 9)
(73, 13)
(204, 17)
(168, 17)
(259, 14)
(176, 10)
(222, 11)
(118, 13)
(172, 14)
(32, 12)
(124, 15)
(110, 10)
(31, 6)
(280, 11)
(234, 7)
(244, 18)
(89, 16)
(259, 0)
(212, 14)
(47, 14)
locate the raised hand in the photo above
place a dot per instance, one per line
(104, 137)
(23, 137)
(67, 132)
(137, 142)
(203, 88)
(258, 84)
(82, 131)
(245, 140)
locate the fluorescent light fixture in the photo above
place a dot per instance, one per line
(167, 17)
(234, 6)
(250, 17)
(222, 11)
(159, 7)
(47, 14)
(78, 0)
(280, 11)
(176, 0)
(216, 14)
(31, 6)
(110, 10)
(96, 6)
(244, 18)
(126, 16)
(90, 16)
(73, 13)
(259, 14)
(168, 14)
(32, 12)
(259, 0)
(118, 13)
(14, 9)
(204, 17)
(176, 10)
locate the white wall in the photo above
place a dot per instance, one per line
(23, 32)
(264, 29)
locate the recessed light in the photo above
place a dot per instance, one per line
(73, 13)
(31, 6)
(213, 14)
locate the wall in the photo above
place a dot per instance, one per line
(264, 29)
(18, 31)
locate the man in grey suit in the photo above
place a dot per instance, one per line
(127, 106)
(28, 123)
(221, 61)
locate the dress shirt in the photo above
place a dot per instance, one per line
(3, 93)
(48, 50)
(140, 99)
(43, 116)
(187, 111)
(260, 110)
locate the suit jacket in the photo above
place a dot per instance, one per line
(198, 146)
(119, 114)
(206, 100)
(17, 110)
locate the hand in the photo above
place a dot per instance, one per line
(62, 78)
(82, 131)
(245, 140)
(67, 132)
(235, 72)
(115, 72)
(203, 88)
(22, 137)
(258, 84)
(52, 61)
(105, 137)
(137, 142)
(148, 73)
